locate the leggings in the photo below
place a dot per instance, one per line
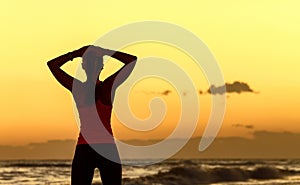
(86, 159)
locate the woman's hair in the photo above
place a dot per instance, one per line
(92, 61)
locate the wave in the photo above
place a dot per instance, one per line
(183, 175)
(29, 164)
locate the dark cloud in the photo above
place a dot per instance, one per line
(235, 87)
(164, 93)
(243, 126)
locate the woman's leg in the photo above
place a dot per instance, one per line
(83, 166)
(111, 173)
(110, 166)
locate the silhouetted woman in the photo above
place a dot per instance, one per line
(93, 99)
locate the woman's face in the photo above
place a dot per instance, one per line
(84, 64)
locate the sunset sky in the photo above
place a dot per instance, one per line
(254, 42)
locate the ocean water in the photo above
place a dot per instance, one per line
(169, 172)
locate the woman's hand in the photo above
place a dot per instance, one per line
(96, 51)
(80, 52)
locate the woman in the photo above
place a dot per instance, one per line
(95, 146)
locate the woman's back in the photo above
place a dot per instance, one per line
(94, 115)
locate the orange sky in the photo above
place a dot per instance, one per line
(254, 42)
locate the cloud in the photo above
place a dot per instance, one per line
(235, 87)
(164, 93)
(243, 126)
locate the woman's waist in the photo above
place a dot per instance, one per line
(95, 138)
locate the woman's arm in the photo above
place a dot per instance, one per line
(55, 67)
(123, 57)
(126, 59)
(111, 83)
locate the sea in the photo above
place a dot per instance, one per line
(168, 172)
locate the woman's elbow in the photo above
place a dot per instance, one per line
(51, 66)
(133, 59)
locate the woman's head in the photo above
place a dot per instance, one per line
(92, 64)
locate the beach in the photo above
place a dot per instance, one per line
(169, 172)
